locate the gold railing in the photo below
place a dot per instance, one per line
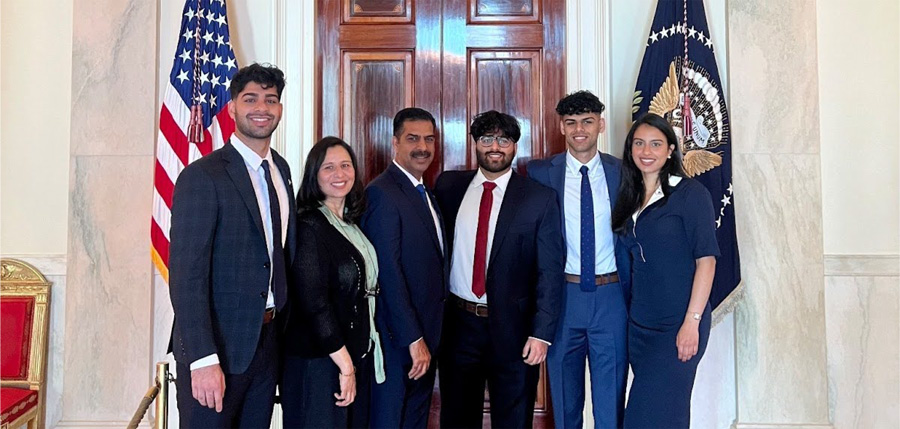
(160, 392)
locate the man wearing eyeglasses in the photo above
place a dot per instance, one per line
(594, 315)
(506, 279)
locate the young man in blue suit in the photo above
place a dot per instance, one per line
(232, 233)
(506, 281)
(403, 222)
(594, 314)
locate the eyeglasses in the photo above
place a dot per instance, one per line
(488, 141)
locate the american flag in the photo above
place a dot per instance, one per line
(193, 120)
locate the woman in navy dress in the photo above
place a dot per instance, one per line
(666, 222)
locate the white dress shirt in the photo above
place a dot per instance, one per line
(464, 236)
(465, 231)
(434, 217)
(604, 257)
(253, 162)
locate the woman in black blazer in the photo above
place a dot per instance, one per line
(330, 344)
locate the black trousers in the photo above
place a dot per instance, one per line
(467, 361)
(307, 394)
(249, 397)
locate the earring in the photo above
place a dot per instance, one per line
(669, 157)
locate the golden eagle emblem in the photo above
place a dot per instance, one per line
(709, 129)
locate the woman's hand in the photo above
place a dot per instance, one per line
(348, 389)
(688, 339)
(346, 377)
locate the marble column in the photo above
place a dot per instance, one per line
(109, 284)
(780, 325)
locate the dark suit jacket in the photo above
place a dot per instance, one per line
(525, 279)
(326, 292)
(218, 260)
(552, 172)
(412, 270)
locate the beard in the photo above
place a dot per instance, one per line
(492, 166)
(246, 127)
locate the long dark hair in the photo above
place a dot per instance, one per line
(310, 195)
(631, 186)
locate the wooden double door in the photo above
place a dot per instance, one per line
(454, 58)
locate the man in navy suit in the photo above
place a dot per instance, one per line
(231, 235)
(403, 222)
(506, 281)
(594, 314)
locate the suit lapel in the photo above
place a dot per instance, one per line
(612, 179)
(513, 197)
(415, 199)
(237, 170)
(558, 183)
(284, 169)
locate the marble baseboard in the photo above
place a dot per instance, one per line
(781, 426)
(87, 424)
(862, 265)
(48, 265)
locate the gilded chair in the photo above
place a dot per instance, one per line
(24, 321)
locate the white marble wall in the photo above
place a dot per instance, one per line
(108, 295)
(862, 325)
(780, 325)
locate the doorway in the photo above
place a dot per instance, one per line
(454, 58)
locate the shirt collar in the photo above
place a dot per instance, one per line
(574, 165)
(658, 194)
(251, 158)
(501, 181)
(415, 182)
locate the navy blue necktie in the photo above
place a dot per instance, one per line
(421, 188)
(587, 233)
(279, 274)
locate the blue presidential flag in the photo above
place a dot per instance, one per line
(679, 80)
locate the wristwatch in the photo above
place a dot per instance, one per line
(696, 316)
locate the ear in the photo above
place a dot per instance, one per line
(602, 124)
(671, 149)
(562, 127)
(231, 109)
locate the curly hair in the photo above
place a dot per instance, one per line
(493, 121)
(579, 102)
(266, 75)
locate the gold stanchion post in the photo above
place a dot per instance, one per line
(162, 401)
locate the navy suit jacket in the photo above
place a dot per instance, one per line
(525, 280)
(412, 270)
(218, 260)
(552, 172)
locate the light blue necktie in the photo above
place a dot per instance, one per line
(587, 233)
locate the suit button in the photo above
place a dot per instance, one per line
(262, 294)
(266, 265)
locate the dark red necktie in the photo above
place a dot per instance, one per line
(481, 238)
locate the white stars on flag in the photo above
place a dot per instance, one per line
(690, 33)
(726, 200)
